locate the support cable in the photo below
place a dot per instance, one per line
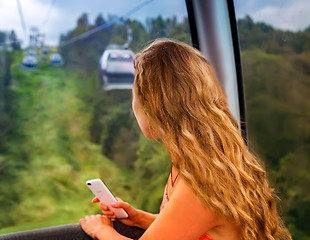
(106, 25)
(48, 13)
(20, 11)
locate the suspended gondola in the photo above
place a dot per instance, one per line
(56, 59)
(45, 50)
(30, 59)
(116, 70)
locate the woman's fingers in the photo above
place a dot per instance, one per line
(106, 211)
(103, 207)
(126, 206)
(119, 204)
(109, 214)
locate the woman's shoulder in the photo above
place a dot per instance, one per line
(216, 225)
(185, 217)
(184, 202)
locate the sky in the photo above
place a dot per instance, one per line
(55, 17)
(291, 15)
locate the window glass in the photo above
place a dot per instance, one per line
(275, 48)
(65, 106)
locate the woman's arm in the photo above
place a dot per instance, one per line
(145, 219)
(184, 217)
(100, 227)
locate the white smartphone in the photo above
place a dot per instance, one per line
(105, 196)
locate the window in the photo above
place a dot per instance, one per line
(60, 124)
(274, 39)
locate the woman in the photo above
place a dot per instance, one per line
(217, 189)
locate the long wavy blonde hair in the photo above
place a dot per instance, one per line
(184, 102)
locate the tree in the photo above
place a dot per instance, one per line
(139, 35)
(14, 41)
(2, 37)
(83, 21)
(99, 20)
(159, 28)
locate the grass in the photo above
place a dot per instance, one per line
(54, 122)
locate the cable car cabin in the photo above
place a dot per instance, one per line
(56, 59)
(30, 61)
(116, 70)
(45, 51)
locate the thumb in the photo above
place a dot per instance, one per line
(126, 206)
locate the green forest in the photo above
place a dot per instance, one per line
(58, 128)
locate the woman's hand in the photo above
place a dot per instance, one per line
(133, 214)
(96, 225)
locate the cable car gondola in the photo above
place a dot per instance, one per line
(116, 70)
(56, 59)
(30, 59)
(45, 50)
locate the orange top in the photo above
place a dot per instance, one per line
(164, 202)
